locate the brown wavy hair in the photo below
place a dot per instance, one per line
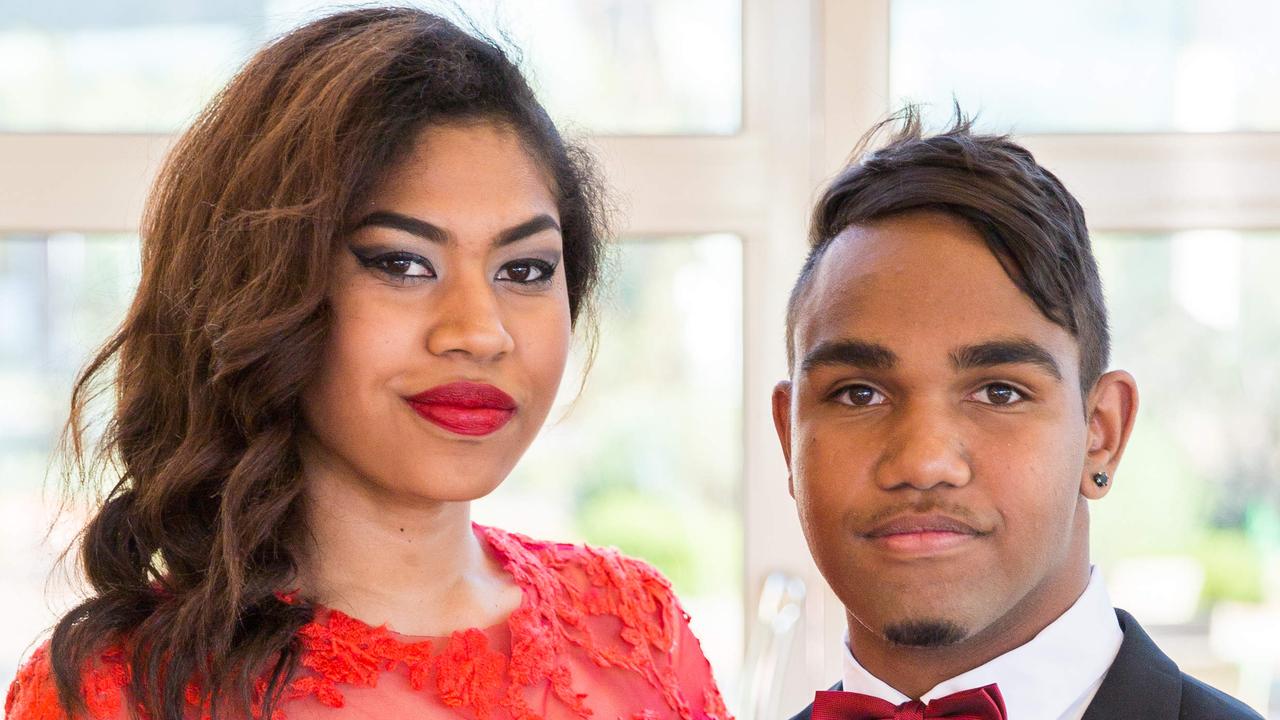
(200, 525)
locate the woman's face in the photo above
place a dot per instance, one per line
(450, 322)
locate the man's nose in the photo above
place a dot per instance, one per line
(925, 449)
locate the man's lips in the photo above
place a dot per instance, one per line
(465, 408)
(922, 534)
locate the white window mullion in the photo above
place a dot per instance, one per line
(89, 183)
(1168, 182)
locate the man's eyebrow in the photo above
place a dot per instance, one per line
(1005, 352)
(853, 353)
(436, 234)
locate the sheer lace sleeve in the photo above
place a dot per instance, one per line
(625, 616)
(694, 674)
(33, 695)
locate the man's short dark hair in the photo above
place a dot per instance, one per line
(1033, 226)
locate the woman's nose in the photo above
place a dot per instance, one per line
(468, 321)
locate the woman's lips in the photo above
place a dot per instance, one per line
(465, 408)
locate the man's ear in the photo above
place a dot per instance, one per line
(782, 423)
(1111, 409)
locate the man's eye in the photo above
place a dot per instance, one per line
(860, 396)
(526, 272)
(998, 394)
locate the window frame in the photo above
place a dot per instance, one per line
(815, 76)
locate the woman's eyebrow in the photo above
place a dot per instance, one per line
(411, 225)
(438, 235)
(532, 226)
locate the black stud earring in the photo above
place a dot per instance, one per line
(1101, 479)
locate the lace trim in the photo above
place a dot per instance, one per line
(563, 586)
(553, 618)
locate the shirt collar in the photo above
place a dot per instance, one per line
(1053, 675)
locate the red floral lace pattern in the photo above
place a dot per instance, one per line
(564, 585)
(34, 696)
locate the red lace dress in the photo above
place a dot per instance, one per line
(598, 635)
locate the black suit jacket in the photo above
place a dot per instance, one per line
(1144, 684)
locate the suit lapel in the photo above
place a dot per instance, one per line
(1142, 683)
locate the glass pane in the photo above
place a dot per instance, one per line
(647, 456)
(60, 296)
(1190, 536)
(1092, 65)
(604, 66)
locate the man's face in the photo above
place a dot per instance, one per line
(936, 436)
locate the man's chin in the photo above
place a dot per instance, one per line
(924, 633)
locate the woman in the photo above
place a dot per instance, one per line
(361, 270)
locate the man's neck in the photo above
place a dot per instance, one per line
(915, 671)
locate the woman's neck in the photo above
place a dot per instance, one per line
(412, 564)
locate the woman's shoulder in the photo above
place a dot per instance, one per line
(597, 575)
(618, 609)
(33, 694)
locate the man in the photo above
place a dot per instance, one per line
(948, 418)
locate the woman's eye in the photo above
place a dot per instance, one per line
(860, 396)
(526, 272)
(400, 265)
(998, 394)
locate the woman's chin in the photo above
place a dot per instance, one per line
(430, 491)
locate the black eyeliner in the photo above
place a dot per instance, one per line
(376, 259)
(545, 267)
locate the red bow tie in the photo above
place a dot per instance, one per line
(984, 703)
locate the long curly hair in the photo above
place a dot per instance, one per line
(200, 523)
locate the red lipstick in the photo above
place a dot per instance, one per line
(465, 408)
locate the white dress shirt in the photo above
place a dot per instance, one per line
(1052, 677)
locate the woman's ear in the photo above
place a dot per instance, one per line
(782, 423)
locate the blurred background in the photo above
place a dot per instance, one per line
(716, 121)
